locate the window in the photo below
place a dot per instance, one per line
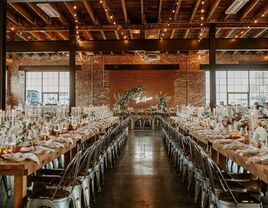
(239, 87)
(47, 88)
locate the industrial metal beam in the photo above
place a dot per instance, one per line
(230, 44)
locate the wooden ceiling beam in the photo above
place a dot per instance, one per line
(245, 33)
(50, 36)
(159, 10)
(90, 12)
(213, 8)
(217, 32)
(242, 36)
(89, 35)
(116, 35)
(248, 8)
(40, 13)
(22, 12)
(197, 3)
(172, 33)
(230, 33)
(178, 6)
(36, 36)
(177, 10)
(12, 17)
(263, 11)
(70, 9)
(131, 34)
(107, 13)
(21, 36)
(63, 36)
(186, 33)
(103, 35)
(142, 13)
(260, 33)
(124, 7)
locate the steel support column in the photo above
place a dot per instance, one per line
(72, 49)
(212, 65)
(3, 16)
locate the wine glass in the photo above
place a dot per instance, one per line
(11, 141)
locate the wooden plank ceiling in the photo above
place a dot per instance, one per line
(136, 19)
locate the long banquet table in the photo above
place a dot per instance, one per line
(20, 170)
(219, 153)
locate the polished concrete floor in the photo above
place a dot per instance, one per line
(144, 177)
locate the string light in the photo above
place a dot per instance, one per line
(111, 19)
(202, 30)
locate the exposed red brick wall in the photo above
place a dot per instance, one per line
(96, 86)
(153, 82)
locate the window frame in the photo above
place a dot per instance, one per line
(42, 84)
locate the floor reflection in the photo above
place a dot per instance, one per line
(143, 177)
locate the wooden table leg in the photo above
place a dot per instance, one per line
(221, 161)
(132, 123)
(20, 191)
(67, 158)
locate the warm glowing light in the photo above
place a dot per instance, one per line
(165, 30)
(75, 7)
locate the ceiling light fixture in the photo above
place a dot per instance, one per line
(48, 9)
(236, 6)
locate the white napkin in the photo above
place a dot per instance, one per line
(250, 150)
(40, 149)
(263, 158)
(51, 144)
(261, 133)
(65, 139)
(18, 157)
(235, 145)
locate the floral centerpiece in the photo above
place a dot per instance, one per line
(162, 104)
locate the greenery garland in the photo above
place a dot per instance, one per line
(129, 95)
(162, 102)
